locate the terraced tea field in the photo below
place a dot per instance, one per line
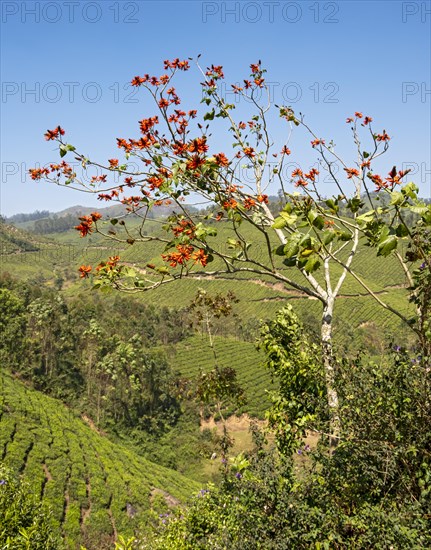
(194, 355)
(97, 489)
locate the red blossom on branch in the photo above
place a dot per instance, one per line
(351, 172)
(54, 134)
(85, 270)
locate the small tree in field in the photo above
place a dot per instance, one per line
(312, 235)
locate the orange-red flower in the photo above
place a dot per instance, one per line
(351, 172)
(367, 120)
(38, 173)
(85, 227)
(200, 257)
(316, 142)
(231, 203)
(178, 258)
(163, 103)
(382, 137)
(53, 134)
(297, 173)
(285, 151)
(358, 114)
(139, 80)
(199, 145)
(263, 199)
(85, 270)
(249, 203)
(147, 123)
(185, 227)
(221, 159)
(311, 175)
(249, 152)
(95, 216)
(195, 162)
(378, 181)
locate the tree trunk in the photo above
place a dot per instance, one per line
(329, 366)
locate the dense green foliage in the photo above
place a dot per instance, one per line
(131, 366)
(25, 523)
(372, 491)
(96, 488)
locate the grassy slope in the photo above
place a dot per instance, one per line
(357, 316)
(194, 355)
(89, 481)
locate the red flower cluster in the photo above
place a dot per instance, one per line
(382, 137)
(85, 270)
(184, 227)
(38, 173)
(351, 172)
(54, 134)
(198, 145)
(230, 203)
(147, 123)
(183, 254)
(311, 175)
(177, 64)
(195, 162)
(249, 203)
(221, 160)
(316, 142)
(200, 257)
(97, 179)
(215, 71)
(85, 227)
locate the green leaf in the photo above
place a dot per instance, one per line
(114, 221)
(289, 262)
(328, 236)
(401, 230)
(332, 204)
(354, 204)
(210, 115)
(344, 236)
(312, 264)
(319, 222)
(279, 251)
(419, 208)
(279, 223)
(397, 198)
(290, 219)
(410, 190)
(63, 151)
(366, 217)
(291, 249)
(386, 246)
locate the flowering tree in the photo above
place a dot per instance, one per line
(314, 235)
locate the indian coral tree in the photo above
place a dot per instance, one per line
(174, 158)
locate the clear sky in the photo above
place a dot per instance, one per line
(69, 63)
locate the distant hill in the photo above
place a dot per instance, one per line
(15, 240)
(97, 489)
(44, 222)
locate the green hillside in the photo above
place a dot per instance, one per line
(96, 488)
(194, 355)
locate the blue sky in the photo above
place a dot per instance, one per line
(67, 62)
